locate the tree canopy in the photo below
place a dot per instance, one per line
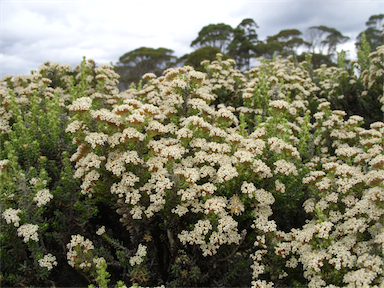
(134, 64)
(215, 35)
(285, 43)
(242, 44)
(325, 39)
(373, 33)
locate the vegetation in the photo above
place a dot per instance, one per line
(134, 64)
(270, 176)
(242, 44)
(195, 58)
(373, 32)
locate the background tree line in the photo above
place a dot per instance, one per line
(242, 44)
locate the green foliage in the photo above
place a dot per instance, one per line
(102, 276)
(327, 38)
(244, 42)
(285, 43)
(214, 35)
(363, 53)
(136, 63)
(241, 44)
(196, 179)
(373, 33)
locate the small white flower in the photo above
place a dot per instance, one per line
(10, 215)
(48, 261)
(101, 231)
(28, 231)
(43, 197)
(140, 254)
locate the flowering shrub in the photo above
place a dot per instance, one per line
(195, 179)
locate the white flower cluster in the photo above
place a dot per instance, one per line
(284, 167)
(106, 116)
(73, 257)
(80, 104)
(75, 126)
(116, 161)
(194, 152)
(48, 261)
(338, 183)
(279, 187)
(10, 215)
(96, 139)
(28, 231)
(261, 169)
(279, 104)
(277, 145)
(42, 197)
(89, 178)
(128, 134)
(139, 256)
(216, 205)
(226, 233)
(101, 230)
(3, 164)
(249, 189)
(86, 163)
(235, 205)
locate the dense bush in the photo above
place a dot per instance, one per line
(221, 178)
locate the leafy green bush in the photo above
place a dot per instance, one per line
(195, 179)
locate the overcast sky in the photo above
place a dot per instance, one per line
(32, 32)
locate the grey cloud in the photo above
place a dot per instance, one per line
(65, 31)
(348, 17)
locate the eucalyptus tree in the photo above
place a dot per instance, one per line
(134, 64)
(243, 46)
(215, 35)
(325, 40)
(373, 33)
(285, 43)
(289, 40)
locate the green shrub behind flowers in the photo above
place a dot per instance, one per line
(195, 179)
